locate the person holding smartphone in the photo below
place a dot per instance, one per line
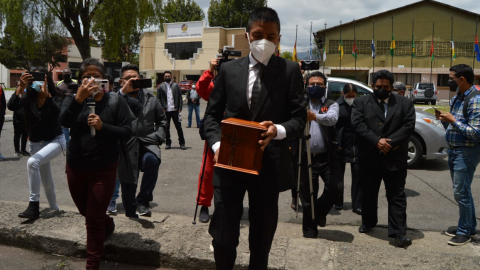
(92, 160)
(46, 138)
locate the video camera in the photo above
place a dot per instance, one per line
(310, 65)
(225, 55)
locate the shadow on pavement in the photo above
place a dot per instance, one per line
(436, 165)
(381, 232)
(411, 193)
(336, 236)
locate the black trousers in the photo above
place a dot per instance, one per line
(174, 116)
(321, 167)
(370, 180)
(355, 188)
(20, 132)
(225, 223)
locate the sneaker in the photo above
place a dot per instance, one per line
(2, 157)
(182, 146)
(143, 210)
(459, 240)
(204, 216)
(18, 154)
(189, 126)
(453, 231)
(25, 153)
(112, 207)
(167, 146)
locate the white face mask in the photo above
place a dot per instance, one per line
(349, 101)
(262, 49)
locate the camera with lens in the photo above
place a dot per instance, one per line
(225, 55)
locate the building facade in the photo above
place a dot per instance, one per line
(420, 22)
(186, 48)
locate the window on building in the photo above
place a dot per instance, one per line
(442, 80)
(183, 50)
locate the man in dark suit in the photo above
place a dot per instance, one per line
(171, 100)
(266, 89)
(383, 123)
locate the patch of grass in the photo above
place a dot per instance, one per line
(61, 265)
(429, 108)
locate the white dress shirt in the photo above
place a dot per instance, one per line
(170, 100)
(252, 76)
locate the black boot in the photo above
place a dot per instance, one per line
(33, 211)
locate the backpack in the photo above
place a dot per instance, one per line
(465, 102)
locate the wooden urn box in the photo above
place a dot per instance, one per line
(239, 148)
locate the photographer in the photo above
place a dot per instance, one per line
(19, 130)
(148, 133)
(46, 139)
(92, 160)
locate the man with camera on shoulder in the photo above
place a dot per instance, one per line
(143, 154)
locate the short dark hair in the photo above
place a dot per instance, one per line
(383, 74)
(317, 74)
(263, 14)
(465, 71)
(130, 67)
(349, 87)
(168, 71)
(91, 62)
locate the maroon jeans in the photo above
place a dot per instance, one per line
(91, 192)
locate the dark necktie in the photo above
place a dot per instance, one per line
(257, 85)
(382, 106)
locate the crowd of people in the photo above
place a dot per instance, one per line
(109, 137)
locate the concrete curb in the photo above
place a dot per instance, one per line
(170, 240)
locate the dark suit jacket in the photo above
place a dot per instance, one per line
(281, 101)
(370, 124)
(177, 96)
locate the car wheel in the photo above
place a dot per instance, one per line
(415, 152)
(434, 102)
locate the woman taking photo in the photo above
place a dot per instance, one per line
(348, 150)
(92, 159)
(46, 138)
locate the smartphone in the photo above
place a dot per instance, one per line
(102, 84)
(142, 83)
(436, 110)
(37, 76)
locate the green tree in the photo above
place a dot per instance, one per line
(115, 19)
(232, 13)
(287, 55)
(182, 11)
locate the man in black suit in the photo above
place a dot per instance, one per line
(267, 89)
(170, 98)
(384, 123)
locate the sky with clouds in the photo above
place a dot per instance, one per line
(319, 12)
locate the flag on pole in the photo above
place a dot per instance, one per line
(294, 56)
(454, 55)
(373, 48)
(477, 49)
(432, 53)
(324, 54)
(413, 48)
(354, 49)
(392, 46)
(340, 49)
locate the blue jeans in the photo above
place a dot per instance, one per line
(192, 106)
(116, 191)
(462, 163)
(66, 132)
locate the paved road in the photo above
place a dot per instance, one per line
(430, 199)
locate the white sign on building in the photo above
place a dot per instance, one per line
(184, 30)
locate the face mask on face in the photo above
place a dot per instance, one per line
(452, 84)
(349, 101)
(193, 87)
(381, 93)
(262, 49)
(37, 86)
(316, 92)
(168, 80)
